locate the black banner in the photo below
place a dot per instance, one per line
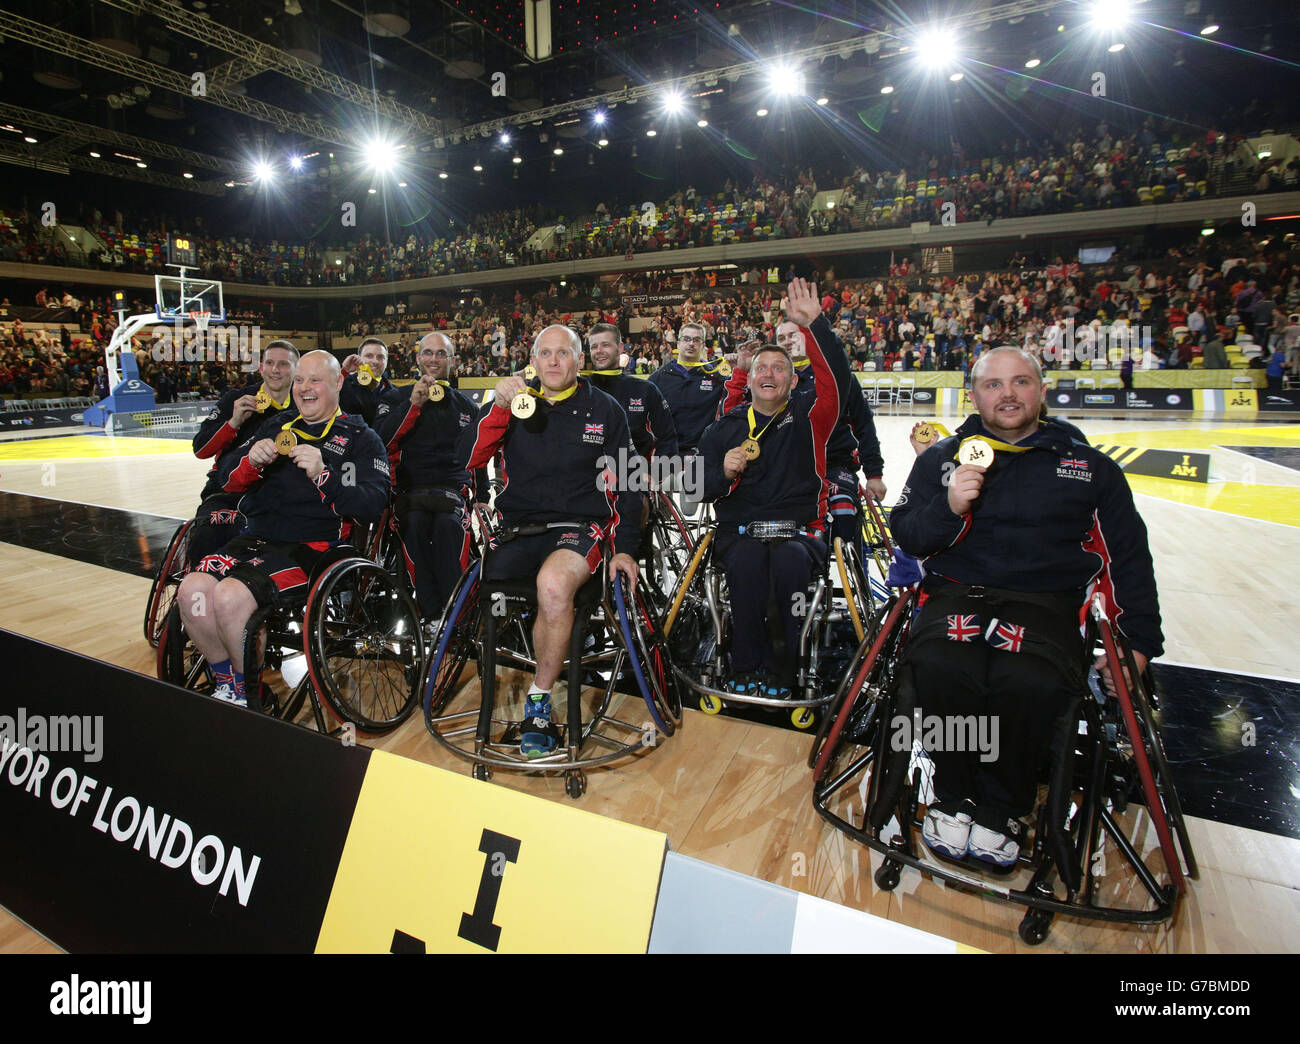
(1285, 401)
(21, 420)
(143, 818)
(1119, 399)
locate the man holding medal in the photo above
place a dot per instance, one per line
(366, 385)
(765, 470)
(302, 476)
(1019, 525)
(218, 520)
(421, 435)
(548, 434)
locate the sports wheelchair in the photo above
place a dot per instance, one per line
(617, 653)
(355, 647)
(839, 614)
(1109, 791)
(172, 567)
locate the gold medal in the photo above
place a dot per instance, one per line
(523, 405)
(364, 377)
(977, 453)
(924, 435)
(436, 392)
(530, 371)
(285, 442)
(263, 400)
(751, 448)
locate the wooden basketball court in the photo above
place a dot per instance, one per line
(738, 794)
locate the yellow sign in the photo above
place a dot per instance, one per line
(442, 863)
(964, 404)
(1241, 400)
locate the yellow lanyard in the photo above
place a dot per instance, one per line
(312, 438)
(539, 394)
(799, 364)
(278, 405)
(753, 421)
(601, 373)
(997, 444)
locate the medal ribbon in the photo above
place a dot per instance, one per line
(312, 438)
(753, 421)
(278, 405)
(996, 444)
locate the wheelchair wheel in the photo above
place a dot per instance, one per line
(458, 641)
(648, 656)
(671, 545)
(178, 661)
(364, 645)
(171, 570)
(857, 593)
(1034, 926)
(875, 533)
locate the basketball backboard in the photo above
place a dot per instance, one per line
(176, 297)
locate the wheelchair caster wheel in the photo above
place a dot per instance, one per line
(710, 704)
(481, 772)
(575, 784)
(1035, 926)
(888, 876)
(803, 717)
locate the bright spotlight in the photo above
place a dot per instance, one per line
(372, 191)
(380, 155)
(263, 171)
(598, 118)
(603, 142)
(957, 77)
(557, 151)
(1033, 63)
(187, 175)
(1210, 29)
(761, 112)
(1115, 48)
(887, 89)
(516, 159)
(701, 123)
(1110, 14)
(785, 80)
(295, 162)
(478, 168)
(823, 100)
(504, 139)
(442, 174)
(651, 133)
(673, 103)
(936, 49)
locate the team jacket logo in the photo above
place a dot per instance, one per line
(223, 517)
(593, 433)
(337, 443)
(1074, 468)
(1004, 636)
(635, 404)
(219, 564)
(963, 628)
(706, 385)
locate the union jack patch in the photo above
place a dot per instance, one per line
(219, 564)
(963, 628)
(594, 429)
(1073, 462)
(1005, 637)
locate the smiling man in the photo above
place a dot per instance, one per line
(1019, 525)
(557, 505)
(691, 387)
(365, 399)
(765, 470)
(302, 477)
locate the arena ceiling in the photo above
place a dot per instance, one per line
(414, 89)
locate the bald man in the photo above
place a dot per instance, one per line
(303, 477)
(420, 433)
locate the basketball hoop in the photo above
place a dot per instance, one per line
(200, 319)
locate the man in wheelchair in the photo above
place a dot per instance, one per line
(301, 477)
(1018, 526)
(765, 471)
(236, 413)
(559, 504)
(421, 434)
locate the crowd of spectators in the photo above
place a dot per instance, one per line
(1081, 170)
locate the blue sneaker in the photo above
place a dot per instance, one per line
(538, 735)
(745, 683)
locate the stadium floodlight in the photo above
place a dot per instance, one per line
(1109, 14)
(651, 133)
(478, 168)
(263, 171)
(442, 174)
(516, 159)
(380, 155)
(1115, 48)
(372, 190)
(674, 103)
(29, 139)
(504, 139)
(1210, 29)
(558, 151)
(141, 164)
(761, 112)
(603, 142)
(1033, 63)
(401, 184)
(295, 162)
(701, 123)
(823, 100)
(94, 154)
(785, 80)
(957, 77)
(599, 117)
(887, 89)
(936, 49)
(187, 176)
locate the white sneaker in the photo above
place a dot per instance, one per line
(947, 834)
(990, 846)
(225, 691)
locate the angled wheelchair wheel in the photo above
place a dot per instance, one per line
(166, 581)
(671, 544)
(857, 592)
(875, 533)
(178, 661)
(364, 646)
(648, 655)
(458, 640)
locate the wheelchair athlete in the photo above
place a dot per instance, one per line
(557, 504)
(765, 470)
(421, 434)
(364, 393)
(237, 413)
(1012, 552)
(301, 477)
